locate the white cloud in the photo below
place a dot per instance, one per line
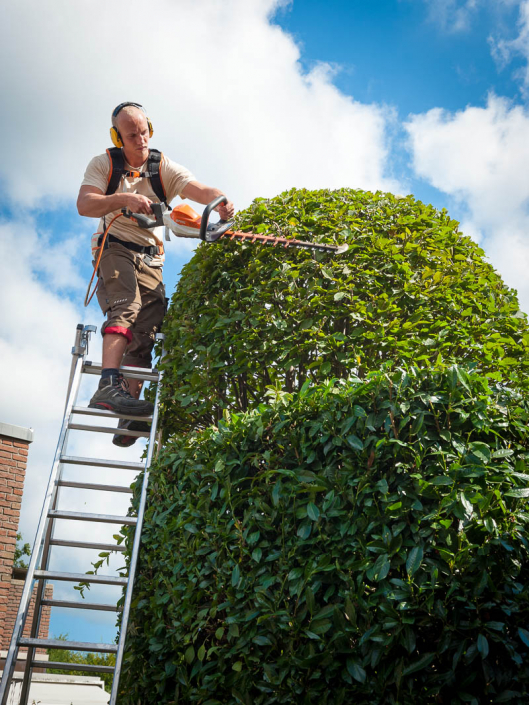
(37, 327)
(222, 85)
(479, 157)
(504, 50)
(453, 15)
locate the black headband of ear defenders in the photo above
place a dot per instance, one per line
(124, 105)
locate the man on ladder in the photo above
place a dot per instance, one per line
(130, 289)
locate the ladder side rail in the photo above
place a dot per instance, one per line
(38, 544)
(135, 546)
(77, 346)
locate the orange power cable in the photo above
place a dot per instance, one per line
(87, 298)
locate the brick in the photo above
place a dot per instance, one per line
(21, 444)
(5, 454)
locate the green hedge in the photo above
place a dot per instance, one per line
(411, 290)
(360, 541)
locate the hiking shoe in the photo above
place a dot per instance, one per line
(131, 425)
(113, 394)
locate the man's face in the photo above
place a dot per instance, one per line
(134, 132)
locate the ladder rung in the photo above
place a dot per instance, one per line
(82, 516)
(94, 368)
(89, 667)
(91, 486)
(84, 544)
(73, 645)
(81, 605)
(95, 462)
(104, 413)
(79, 578)
(106, 429)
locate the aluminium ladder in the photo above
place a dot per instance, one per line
(51, 513)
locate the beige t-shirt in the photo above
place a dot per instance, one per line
(174, 178)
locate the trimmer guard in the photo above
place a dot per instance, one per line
(183, 221)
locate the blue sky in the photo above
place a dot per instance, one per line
(254, 96)
(402, 52)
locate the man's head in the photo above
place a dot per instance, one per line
(131, 129)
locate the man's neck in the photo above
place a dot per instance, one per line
(136, 159)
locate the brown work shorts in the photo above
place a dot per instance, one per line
(132, 296)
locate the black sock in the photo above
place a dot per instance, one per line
(109, 372)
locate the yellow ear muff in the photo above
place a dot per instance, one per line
(116, 137)
(149, 123)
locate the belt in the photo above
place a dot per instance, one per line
(151, 250)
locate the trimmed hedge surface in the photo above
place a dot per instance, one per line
(358, 541)
(410, 290)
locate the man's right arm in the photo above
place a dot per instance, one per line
(93, 203)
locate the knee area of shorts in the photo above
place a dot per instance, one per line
(110, 329)
(135, 360)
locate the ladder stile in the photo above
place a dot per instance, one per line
(38, 572)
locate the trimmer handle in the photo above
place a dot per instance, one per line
(144, 221)
(207, 211)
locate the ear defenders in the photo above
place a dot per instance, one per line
(114, 134)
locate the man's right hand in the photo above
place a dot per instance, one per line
(137, 203)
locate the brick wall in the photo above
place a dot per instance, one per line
(14, 444)
(13, 602)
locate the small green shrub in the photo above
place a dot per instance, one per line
(410, 290)
(21, 550)
(68, 656)
(360, 541)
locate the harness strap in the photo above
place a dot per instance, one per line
(153, 169)
(117, 171)
(151, 250)
(117, 167)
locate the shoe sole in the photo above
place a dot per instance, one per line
(132, 411)
(127, 441)
(124, 441)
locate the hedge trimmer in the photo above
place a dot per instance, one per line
(183, 221)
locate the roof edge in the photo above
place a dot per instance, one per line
(18, 432)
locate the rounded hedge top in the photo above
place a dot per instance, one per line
(410, 290)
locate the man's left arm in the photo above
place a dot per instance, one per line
(200, 193)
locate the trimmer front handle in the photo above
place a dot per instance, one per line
(210, 233)
(144, 221)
